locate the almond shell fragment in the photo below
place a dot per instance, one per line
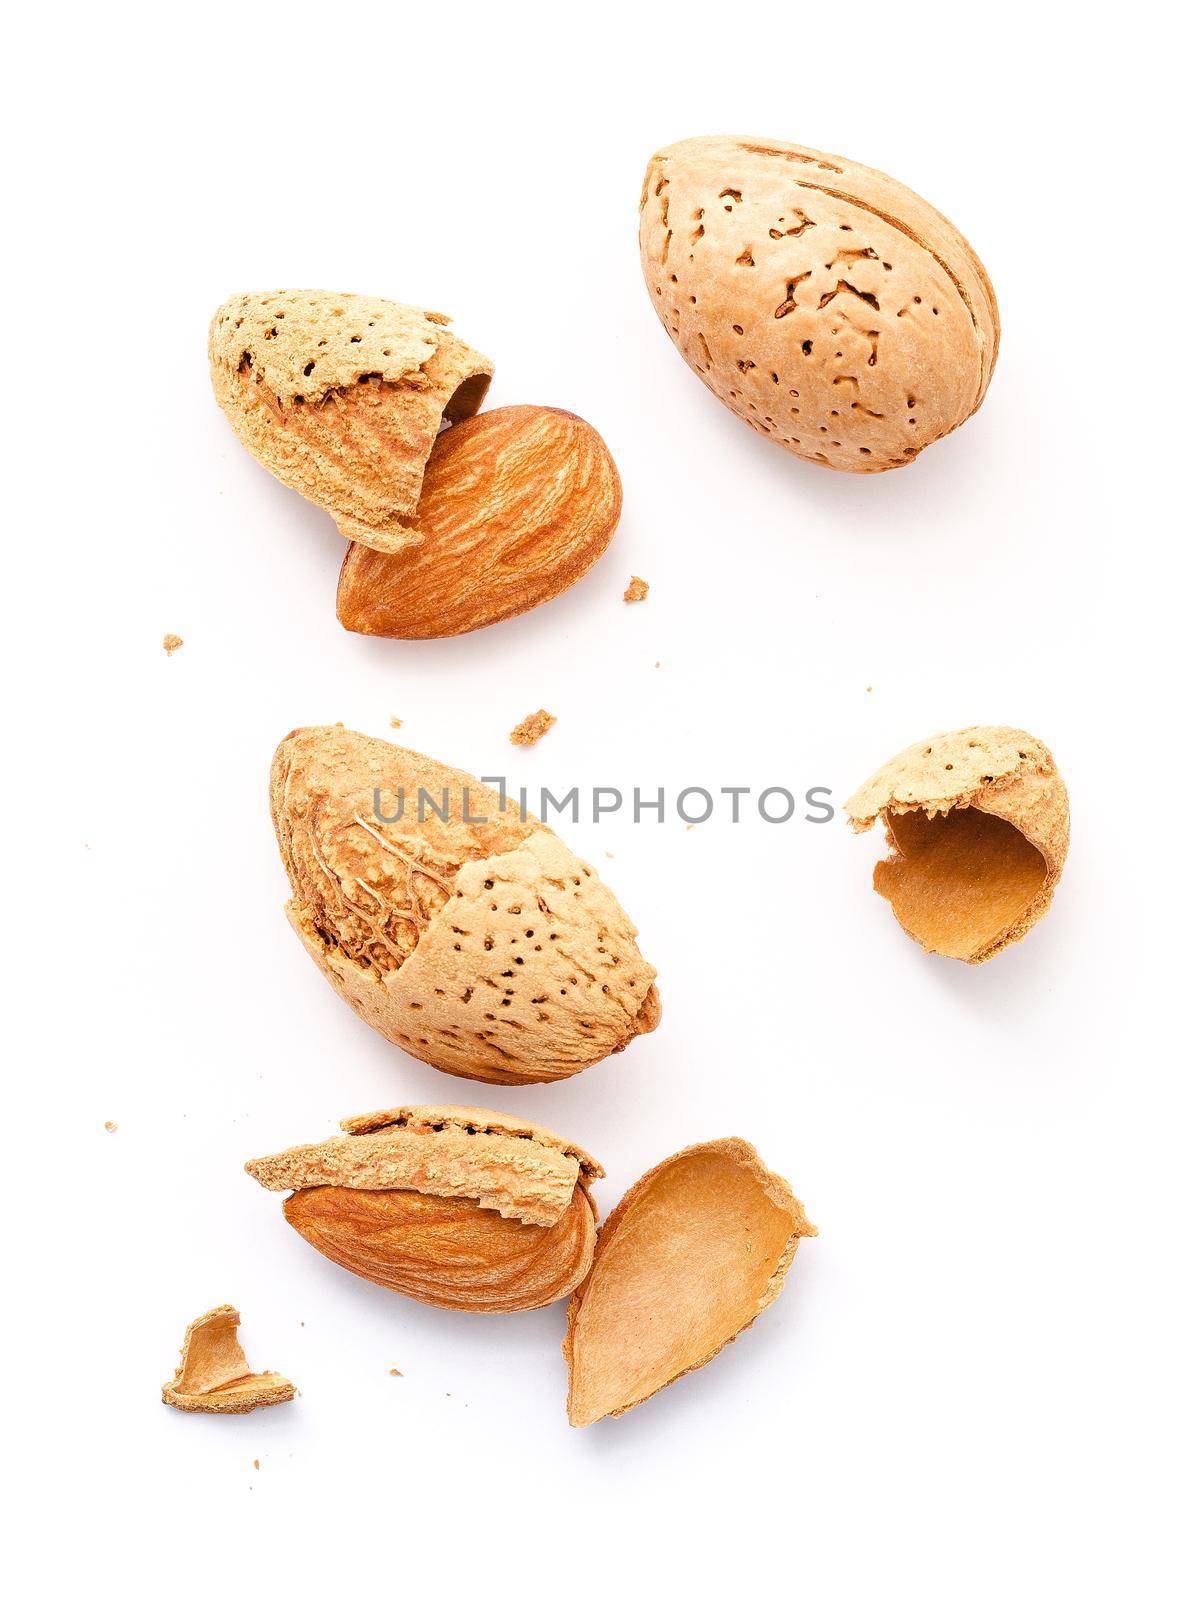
(978, 822)
(341, 396)
(689, 1258)
(213, 1374)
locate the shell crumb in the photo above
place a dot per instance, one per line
(532, 729)
(396, 722)
(171, 643)
(638, 589)
(110, 1127)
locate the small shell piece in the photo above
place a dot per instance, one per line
(341, 396)
(459, 1207)
(504, 1164)
(532, 728)
(687, 1260)
(825, 304)
(473, 939)
(979, 823)
(213, 1373)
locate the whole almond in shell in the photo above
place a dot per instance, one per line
(517, 504)
(693, 1253)
(341, 396)
(472, 939)
(824, 303)
(459, 1207)
(978, 823)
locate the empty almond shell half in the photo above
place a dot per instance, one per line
(687, 1260)
(459, 1207)
(213, 1374)
(470, 937)
(341, 396)
(518, 503)
(978, 823)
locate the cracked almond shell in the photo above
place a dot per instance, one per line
(518, 504)
(341, 397)
(978, 823)
(466, 1209)
(825, 304)
(689, 1258)
(213, 1374)
(477, 942)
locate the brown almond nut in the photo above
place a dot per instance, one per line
(693, 1253)
(824, 303)
(978, 823)
(459, 1207)
(341, 396)
(213, 1374)
(474, 940)
(517, 504)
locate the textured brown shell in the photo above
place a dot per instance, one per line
(498, 1162)
(517, 504)
(213, 1374)
(689, 1258)
(341, 396)
(979, 825)
(478, 942)
(824, 303)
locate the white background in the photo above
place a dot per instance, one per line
(979, 1380)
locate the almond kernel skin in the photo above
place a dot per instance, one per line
(457, 1206)
(518, 503)
(448, 1253)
